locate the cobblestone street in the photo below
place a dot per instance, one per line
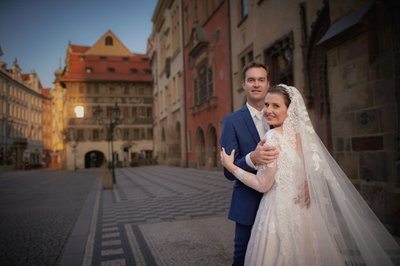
(164, 216)
(38, 209)
(153, 216)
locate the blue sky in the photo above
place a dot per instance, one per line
(37, 32)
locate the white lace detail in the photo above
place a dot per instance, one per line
(239, 173)
(272, 228)
(271, 139)
(338, 228)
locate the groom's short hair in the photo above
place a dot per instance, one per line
(253, 64)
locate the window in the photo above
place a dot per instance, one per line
(125, 58)
(203, 85)
(125, 134)
(109, 111)
(136, 134)
(150, 133)
(210, 82)
(125, 112)
(142, 133)
(80, 135)
(134, 71)
(89, 70)
(244, 8)
(141, 111)
(149, 112)
(246, 57)
(96, 134)
(111, 70)
(104, 58)
(141, 91)
(147, 71)
(279, 59)
(109, 41)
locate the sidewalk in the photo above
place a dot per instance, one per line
(155, 216)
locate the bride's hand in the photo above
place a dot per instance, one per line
(227, 160)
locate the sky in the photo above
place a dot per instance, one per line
(37, 32)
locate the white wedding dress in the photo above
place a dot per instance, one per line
(283, 230)
(338, 227)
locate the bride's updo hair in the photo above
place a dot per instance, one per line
(282, 91)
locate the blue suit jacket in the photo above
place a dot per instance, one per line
(240, 133)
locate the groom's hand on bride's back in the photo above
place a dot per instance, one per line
(263, 154)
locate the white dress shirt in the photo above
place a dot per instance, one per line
(261, 125)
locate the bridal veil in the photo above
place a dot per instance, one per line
(359, 235)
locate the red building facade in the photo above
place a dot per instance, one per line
(207, 78)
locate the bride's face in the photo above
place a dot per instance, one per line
(275, 109)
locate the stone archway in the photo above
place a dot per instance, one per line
(200, 148)
(212, 147)
(93, 159)
(178, 140)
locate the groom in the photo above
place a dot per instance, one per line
(243, 131)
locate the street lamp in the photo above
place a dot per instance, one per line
(110, 125)
(79, 113)
(74, 145)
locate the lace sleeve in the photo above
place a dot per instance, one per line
(265, 177)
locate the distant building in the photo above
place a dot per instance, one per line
(166, 53)
(97, 78)
(21, 141)
(47, 127)
(207, 68)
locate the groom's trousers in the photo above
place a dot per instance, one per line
(242, 236)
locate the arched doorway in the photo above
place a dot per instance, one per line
(163, 155)
(178, 140)
(93, 159)
(200, 148)
(212, 147)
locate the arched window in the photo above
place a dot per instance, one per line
(109, 41)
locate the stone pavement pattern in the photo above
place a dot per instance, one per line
(38, 210)
(162, 216)
(154, 216)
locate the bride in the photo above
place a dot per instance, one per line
(312, 214)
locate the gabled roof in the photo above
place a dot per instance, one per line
(107, 60)
(101, 47)
(78, 48)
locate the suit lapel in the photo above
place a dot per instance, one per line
(245, 113)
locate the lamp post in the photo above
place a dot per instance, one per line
(74, 145)
(114, 119)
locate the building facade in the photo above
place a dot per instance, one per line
(166, 53)
(102, 81)
(58, 96)
(207, 82)
(47, 128)
(362, 49)
(21, 141)
(344, 57)
(280, 40)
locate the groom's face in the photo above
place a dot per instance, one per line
(256, 85)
